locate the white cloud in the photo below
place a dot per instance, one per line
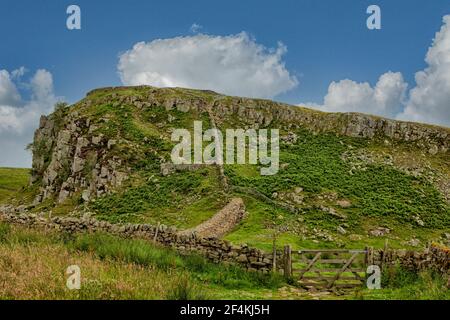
(385, 98)
(8, 91)
(19, 118)
(195, 27)
(234, 65)
(18, 73)
(430, 99)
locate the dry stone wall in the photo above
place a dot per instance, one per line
(222, 222)
(214, 249)
(435, 257)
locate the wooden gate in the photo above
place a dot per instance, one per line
(327, 268)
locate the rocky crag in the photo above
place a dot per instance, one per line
(72, 156)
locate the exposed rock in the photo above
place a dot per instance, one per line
(344, 203)
(379, 232)
(419, 221)
(290, 138)
(86, 195)
(414, 242)
(333, 212)
(355, 237)
(341, 230)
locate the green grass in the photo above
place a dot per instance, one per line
(182, 199)
(400, 284)
(11, 181)
(142, 253)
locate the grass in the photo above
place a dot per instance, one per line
(400, 284)
(182, 199)
(11, 181)
(33, 264)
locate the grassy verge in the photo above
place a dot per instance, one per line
(33, 264)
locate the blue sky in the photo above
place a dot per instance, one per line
(326, 41)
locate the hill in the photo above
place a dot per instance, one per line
(347, 180)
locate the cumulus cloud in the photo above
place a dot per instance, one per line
(18, 117)
(385, 98)
(234, 65)
(428, 101)
(9, 95)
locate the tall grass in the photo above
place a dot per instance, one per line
(398, 283)
(143, 253)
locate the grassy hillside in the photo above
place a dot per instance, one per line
(11, 181)
(341, 190)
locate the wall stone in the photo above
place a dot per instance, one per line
(435, 257)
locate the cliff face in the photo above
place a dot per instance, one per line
(69, 158)
(93, 146)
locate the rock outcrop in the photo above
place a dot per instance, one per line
(75, 155)
(69, 159)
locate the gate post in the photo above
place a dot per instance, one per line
(287, 261)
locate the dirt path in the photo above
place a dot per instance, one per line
(222, 222)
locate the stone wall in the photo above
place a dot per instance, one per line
(222, 222)
(435, 257)
(216, 250)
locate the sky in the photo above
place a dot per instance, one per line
(314, 53)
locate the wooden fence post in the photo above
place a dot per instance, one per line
(287, 261)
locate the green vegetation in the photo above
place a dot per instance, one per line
(11, 181)
(331, 191)
(400, 284)
(182, 199)
(115, 268)
(321, 165)
(379, 195)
